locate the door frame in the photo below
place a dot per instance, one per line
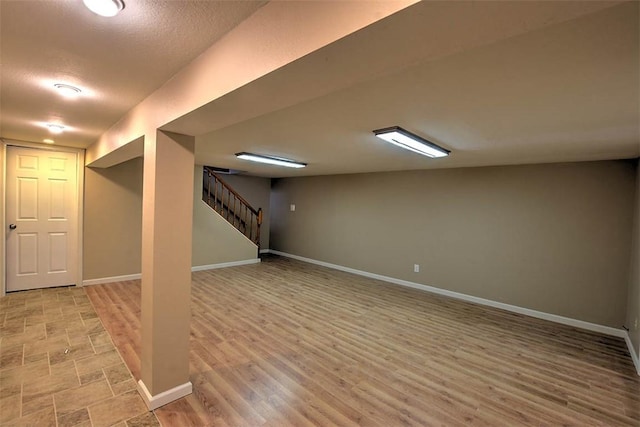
(80, 203)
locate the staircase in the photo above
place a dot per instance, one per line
(230, 205)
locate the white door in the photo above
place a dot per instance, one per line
(42, 218)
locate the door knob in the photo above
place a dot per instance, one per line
(13, 226)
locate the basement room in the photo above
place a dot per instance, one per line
(319, 213)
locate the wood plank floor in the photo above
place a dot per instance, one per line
(288, 343)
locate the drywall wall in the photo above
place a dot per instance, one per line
(113, 220)
(553, 238)
(215, 241)
(257, 192)
(165, 303)
(633, 300)
(2, 219)
(113, 224)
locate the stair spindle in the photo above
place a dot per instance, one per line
(232, 206)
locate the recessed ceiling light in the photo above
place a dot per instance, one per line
(278, 161)
(405, 139)
(48, 141)
(106, 8)
(54, 128)
(67, 91)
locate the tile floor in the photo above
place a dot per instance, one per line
(59, 367)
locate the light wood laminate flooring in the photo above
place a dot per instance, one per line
(288, 343)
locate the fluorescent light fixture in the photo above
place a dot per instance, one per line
(279, 161)
(67, 91)
(54, 128)
(405, 139)
(106, 8)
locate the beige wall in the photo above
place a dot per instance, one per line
(165, 303)
(113, 220)
(257, 192)
(113, 223)
(2, 219)
(633, 303)
(214, 239)
(553, 238)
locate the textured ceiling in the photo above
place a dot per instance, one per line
(564, 91)
(495, 82)
(116, 61)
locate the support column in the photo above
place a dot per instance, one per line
(167, 205)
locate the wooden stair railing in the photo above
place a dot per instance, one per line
(231, 205)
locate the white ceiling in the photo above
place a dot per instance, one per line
(495, 82)
(116, 61)
(568, 91)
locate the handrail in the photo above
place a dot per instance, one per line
(235, 193)
(231, 205)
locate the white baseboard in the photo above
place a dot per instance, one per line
(607, 330)
(102, 280)
(265, 251)
(161, 399)
(633, 351)
(225, 264)
(138, 276)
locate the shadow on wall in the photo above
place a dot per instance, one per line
(113, 220)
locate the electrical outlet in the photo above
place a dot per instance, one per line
(416, 268)
(292, 207)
